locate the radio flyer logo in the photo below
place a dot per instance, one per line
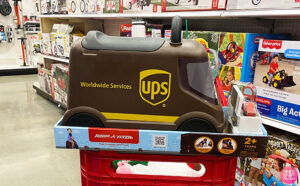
(155, 86)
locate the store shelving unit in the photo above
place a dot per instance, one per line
(64, 60)
(47, 96)
(281, 125)
(32, 32)
(277, 13)
(16, 70)
(269, 21)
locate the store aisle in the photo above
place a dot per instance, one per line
(27, 149)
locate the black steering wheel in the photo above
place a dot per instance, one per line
(231, 51)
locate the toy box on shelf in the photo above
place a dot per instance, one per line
(85, 6)
(262, 4)
(188, 5)
(280, 166)
(60, 82)
(46, 7)
(62, 38)
(34, 43)
(44, 79)
(140, 6)
(112, 6)
(46, 47)
(152, 30)
(237, 53)
(277, 78)
(59, 7)
(125, 30)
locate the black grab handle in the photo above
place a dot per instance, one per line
(176, 30)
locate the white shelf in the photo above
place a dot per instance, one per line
(266, 13)
(55, 58)
(190, 14)
(263, 13)
(31, 22)
(16, 67)
(281, 125)
(32, 32)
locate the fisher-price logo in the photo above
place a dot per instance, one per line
(272, 44)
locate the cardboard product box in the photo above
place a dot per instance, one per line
(167, 34)
(60, 82)
(33, 49)
(100, 6)
(73, 7)
(154, 30)
(166, 142)
(46, 7)
(188, 5)
(140, 6)
(125, 30)
(283, 149)
(237, 53)
(44, 79)
(53, 43)
(112, 6)
(277, 79)
(262, 4)
(88, 6)
(46, 47)
(63, 44)
(61, 39)
(59, 6)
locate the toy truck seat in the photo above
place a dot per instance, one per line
(142, 83)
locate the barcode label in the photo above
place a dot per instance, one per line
(159, 141)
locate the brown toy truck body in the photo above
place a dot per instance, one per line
(166, 87)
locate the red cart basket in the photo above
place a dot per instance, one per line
(97, 169)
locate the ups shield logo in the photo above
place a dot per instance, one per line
(154, 86)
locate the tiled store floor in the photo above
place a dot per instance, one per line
(27, 150)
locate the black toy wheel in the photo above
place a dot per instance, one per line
(196, 125)
(195, 2)
(265, 79)
(276, 84)
(84, 119)
(176, 30)
(231, 51)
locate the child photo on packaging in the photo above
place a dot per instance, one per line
(228, 76)
(254, 171)
(280, 73)
(71, 143)
(231, 48)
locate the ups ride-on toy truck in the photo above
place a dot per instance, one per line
(142, 83)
